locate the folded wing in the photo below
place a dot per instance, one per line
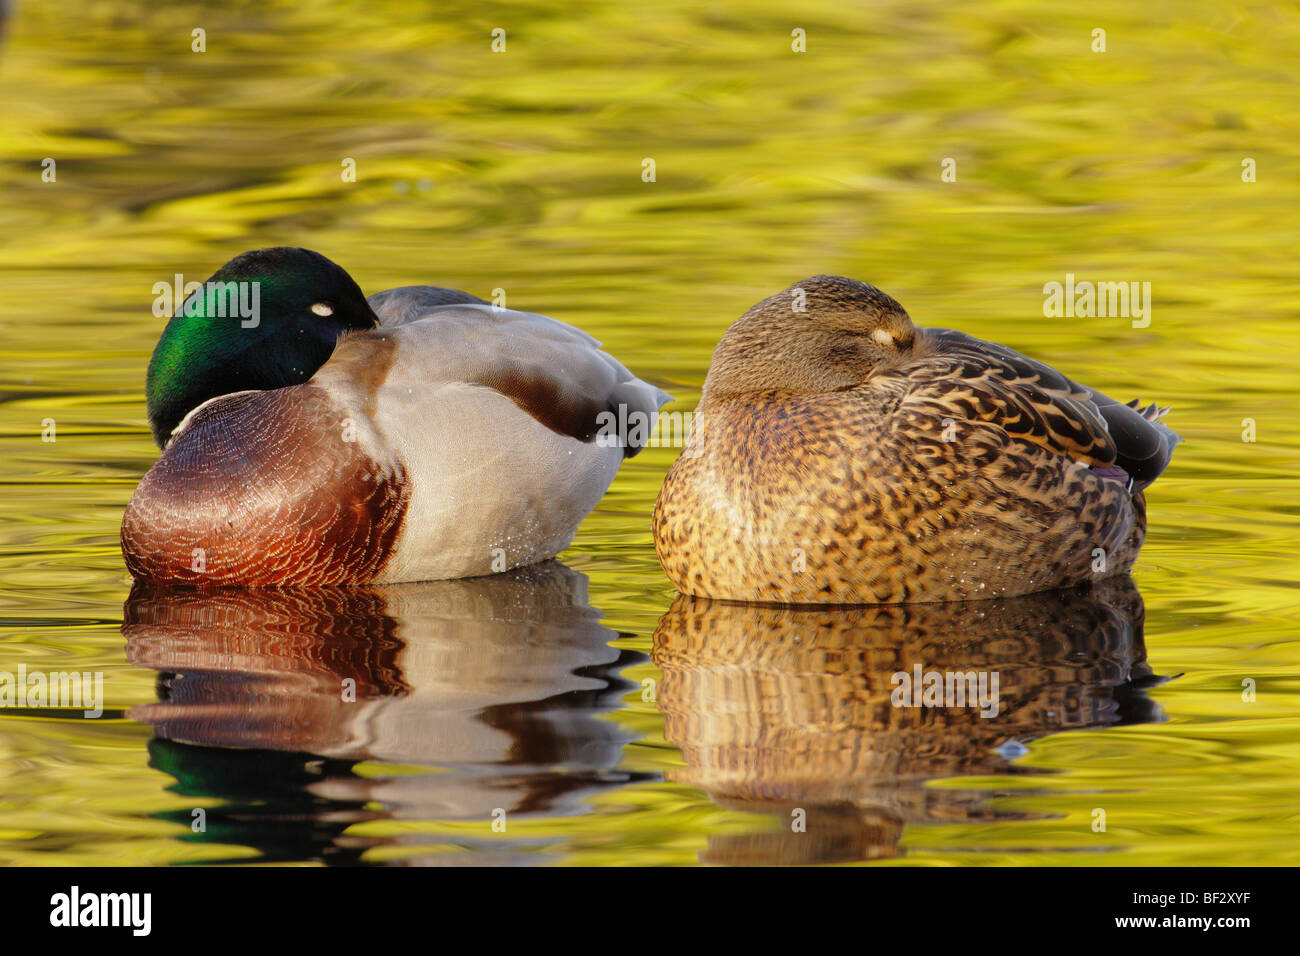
(553, 371)
(954, 375)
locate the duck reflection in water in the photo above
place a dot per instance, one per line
(269, 699)
(782, 709)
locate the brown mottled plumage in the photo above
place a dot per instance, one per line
(843, 455)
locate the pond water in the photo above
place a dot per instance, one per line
(582, 706)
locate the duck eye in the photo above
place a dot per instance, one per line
(323, 308)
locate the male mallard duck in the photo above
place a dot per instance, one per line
(329, 439)
(842, 455)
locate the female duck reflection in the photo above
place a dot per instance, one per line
(500, 681)
(781, 709)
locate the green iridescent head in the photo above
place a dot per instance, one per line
(266, 319)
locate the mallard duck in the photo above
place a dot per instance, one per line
(842, 455)
(329, 439)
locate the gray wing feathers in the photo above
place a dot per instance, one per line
(553, 370)
(409, 302)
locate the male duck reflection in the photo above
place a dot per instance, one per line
(268, 699)
(841, 455)
(329, 439)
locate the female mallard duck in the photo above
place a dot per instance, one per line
(329, 439)
(841, 455)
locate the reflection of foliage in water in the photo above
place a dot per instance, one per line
(770, 166)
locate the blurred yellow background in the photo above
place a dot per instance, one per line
(522, 170)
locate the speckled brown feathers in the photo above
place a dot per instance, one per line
(262, 488)
(934, 467)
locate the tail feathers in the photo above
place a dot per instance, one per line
(1144, 444)
(641, 402)
(1152, 413)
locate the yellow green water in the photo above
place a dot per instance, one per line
(522, 171)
